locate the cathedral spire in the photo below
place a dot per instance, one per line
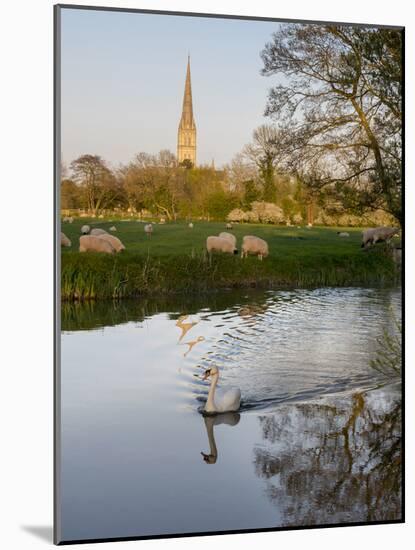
(186, 142)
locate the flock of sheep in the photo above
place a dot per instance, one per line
(99, 240)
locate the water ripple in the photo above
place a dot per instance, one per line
(297, 345)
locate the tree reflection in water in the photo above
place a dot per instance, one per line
(334, 462)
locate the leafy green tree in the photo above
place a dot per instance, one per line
(252, 193)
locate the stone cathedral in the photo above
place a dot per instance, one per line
(186, 136)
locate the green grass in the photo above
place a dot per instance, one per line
(175, 260)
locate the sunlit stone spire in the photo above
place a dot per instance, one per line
(186, 138)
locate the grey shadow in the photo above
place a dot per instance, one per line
(44, 532)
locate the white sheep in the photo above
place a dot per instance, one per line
(255, 246)
(148, 229)
(228, 226)
(228, 236)
(114, 241)
(67, 219)
(94, 243)
(162, 221)
(64, 240)
(85, 229)
(378, 234)
(343, 234)
(218, 244)
(191, 225)
(113, 228)
(98, 231)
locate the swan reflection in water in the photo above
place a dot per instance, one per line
(192, 343)
(185, 327)
(230, 418)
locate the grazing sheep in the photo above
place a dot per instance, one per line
(228, 236)
(162, 221)
(148, 228)
(191, 225)
(85, 229)
(378, 234)
(113, 228)
(255, 246)
(218, 244)
(98, 231)
(114, 241)
(64, 240)
(343, 234)
(67, 219)
(94, 243)
(228, 226)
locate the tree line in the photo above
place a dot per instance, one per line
(333, 144)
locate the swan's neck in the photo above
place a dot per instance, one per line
(211, 437)
(210, 403)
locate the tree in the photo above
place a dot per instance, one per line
(187, 163)
(251, 193)
(240, 171)
(97, 181)
(265, 153)
(339, 102)
(70, 195)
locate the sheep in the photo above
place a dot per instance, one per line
(114, 241)
(228, 236)
(94, 243)
(343, 234)
(162, 221)
(98, 231)
(113, 228)
(228, 226)
(148, 228)
(67, 219)
(218, 244)
(64, 240)
(254, 245)
(191, 225)
(85, 229)
(378, 234)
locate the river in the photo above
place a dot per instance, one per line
(317, 439)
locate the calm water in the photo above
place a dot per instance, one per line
(317, 439)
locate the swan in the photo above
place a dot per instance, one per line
(223, 399)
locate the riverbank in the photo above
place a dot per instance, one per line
(174, 260)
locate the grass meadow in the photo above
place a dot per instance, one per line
(174, 259)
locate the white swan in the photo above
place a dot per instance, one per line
(220, 399)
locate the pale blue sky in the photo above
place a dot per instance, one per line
(123, 80)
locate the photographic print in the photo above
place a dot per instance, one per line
(229, 229)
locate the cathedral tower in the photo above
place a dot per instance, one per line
(186, 136)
